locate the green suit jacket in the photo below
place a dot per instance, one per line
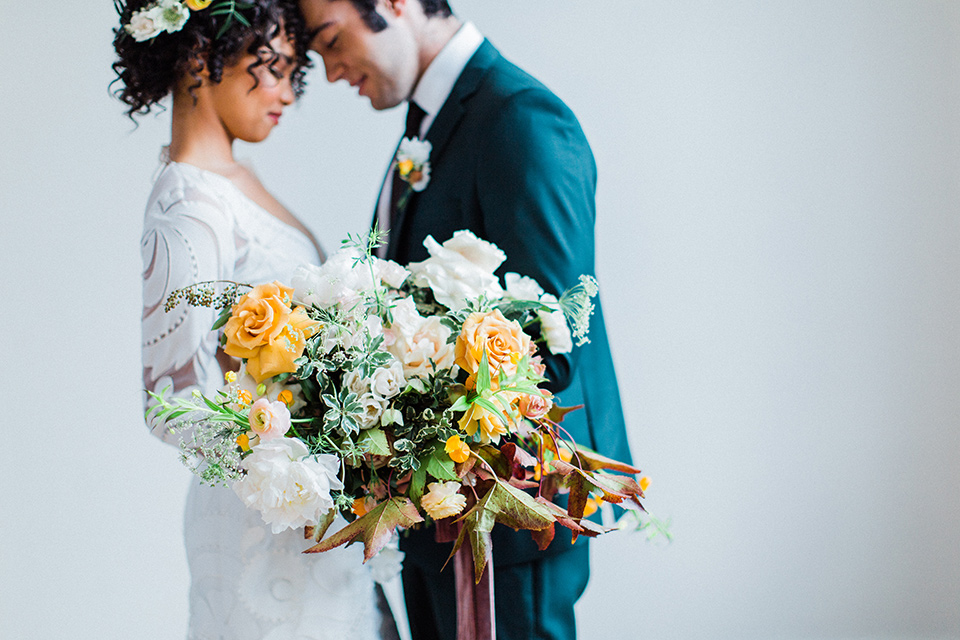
(511, 164)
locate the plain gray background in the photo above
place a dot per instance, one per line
(779, 223)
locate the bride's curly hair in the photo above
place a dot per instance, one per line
(149, 71)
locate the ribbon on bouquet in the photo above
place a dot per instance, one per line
(475, 615)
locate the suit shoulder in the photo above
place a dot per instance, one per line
(507, 87)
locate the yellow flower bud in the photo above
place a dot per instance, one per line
(457, 449)
(230, 377)
(197, 5)
(243, 441)
(405, 167)
(286, 397)
(244, 396)
(644, 483)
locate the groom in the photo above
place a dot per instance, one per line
(510, 163)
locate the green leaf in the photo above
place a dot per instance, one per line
(222, 318)
(440, 466)
(375, 441)
(417, 485)
(492, 408)
(483, 374)
(375, 527)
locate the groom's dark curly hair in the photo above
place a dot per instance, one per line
(368, 11)
(149, 71)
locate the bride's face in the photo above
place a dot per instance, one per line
(251, 97)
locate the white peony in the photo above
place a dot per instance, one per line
(336, 281)
(522, 287)
(287, 486)
(554, 326)
(460, 269)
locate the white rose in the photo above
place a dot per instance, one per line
(426, 349)
(387, 382)
(522, 287)
(554, 326)
(355, 383)
(372, 409)
(145, 24)
(460, 269)
(391, 273)
(485, 255)
(289, 488)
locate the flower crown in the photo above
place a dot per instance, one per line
(170, 16)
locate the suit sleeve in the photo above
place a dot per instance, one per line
(536, 182)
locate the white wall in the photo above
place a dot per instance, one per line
(779, 227)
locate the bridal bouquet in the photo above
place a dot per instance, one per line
(397, 395)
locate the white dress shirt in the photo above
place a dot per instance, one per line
(430, 94)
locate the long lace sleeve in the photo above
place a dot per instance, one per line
(188, 238)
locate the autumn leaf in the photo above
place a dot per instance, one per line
(375, 527)
(520, 462)
(558, 413)
(317, 532)
(504, 504)
(593, 461)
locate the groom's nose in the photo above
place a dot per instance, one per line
(333, 69)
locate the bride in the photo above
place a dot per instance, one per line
(232, 69)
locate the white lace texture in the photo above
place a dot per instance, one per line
(247, 583)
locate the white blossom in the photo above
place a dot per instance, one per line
(460, 269)
(289, 487)
(554, 326)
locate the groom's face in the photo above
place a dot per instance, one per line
(382, 65)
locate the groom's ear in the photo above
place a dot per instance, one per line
(396, 7)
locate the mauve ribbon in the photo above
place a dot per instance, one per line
(475, 616)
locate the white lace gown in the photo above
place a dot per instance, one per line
(247, 583)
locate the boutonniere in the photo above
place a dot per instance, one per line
(413, 166)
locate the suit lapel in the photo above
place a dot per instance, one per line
(445, 124)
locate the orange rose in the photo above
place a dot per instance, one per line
(266, 332)
(504, 341)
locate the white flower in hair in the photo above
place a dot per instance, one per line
(175, 15)
(145, 24)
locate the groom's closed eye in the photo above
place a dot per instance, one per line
(316, 40)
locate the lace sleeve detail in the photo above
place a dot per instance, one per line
(188, 238)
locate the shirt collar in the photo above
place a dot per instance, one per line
(437, 81)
